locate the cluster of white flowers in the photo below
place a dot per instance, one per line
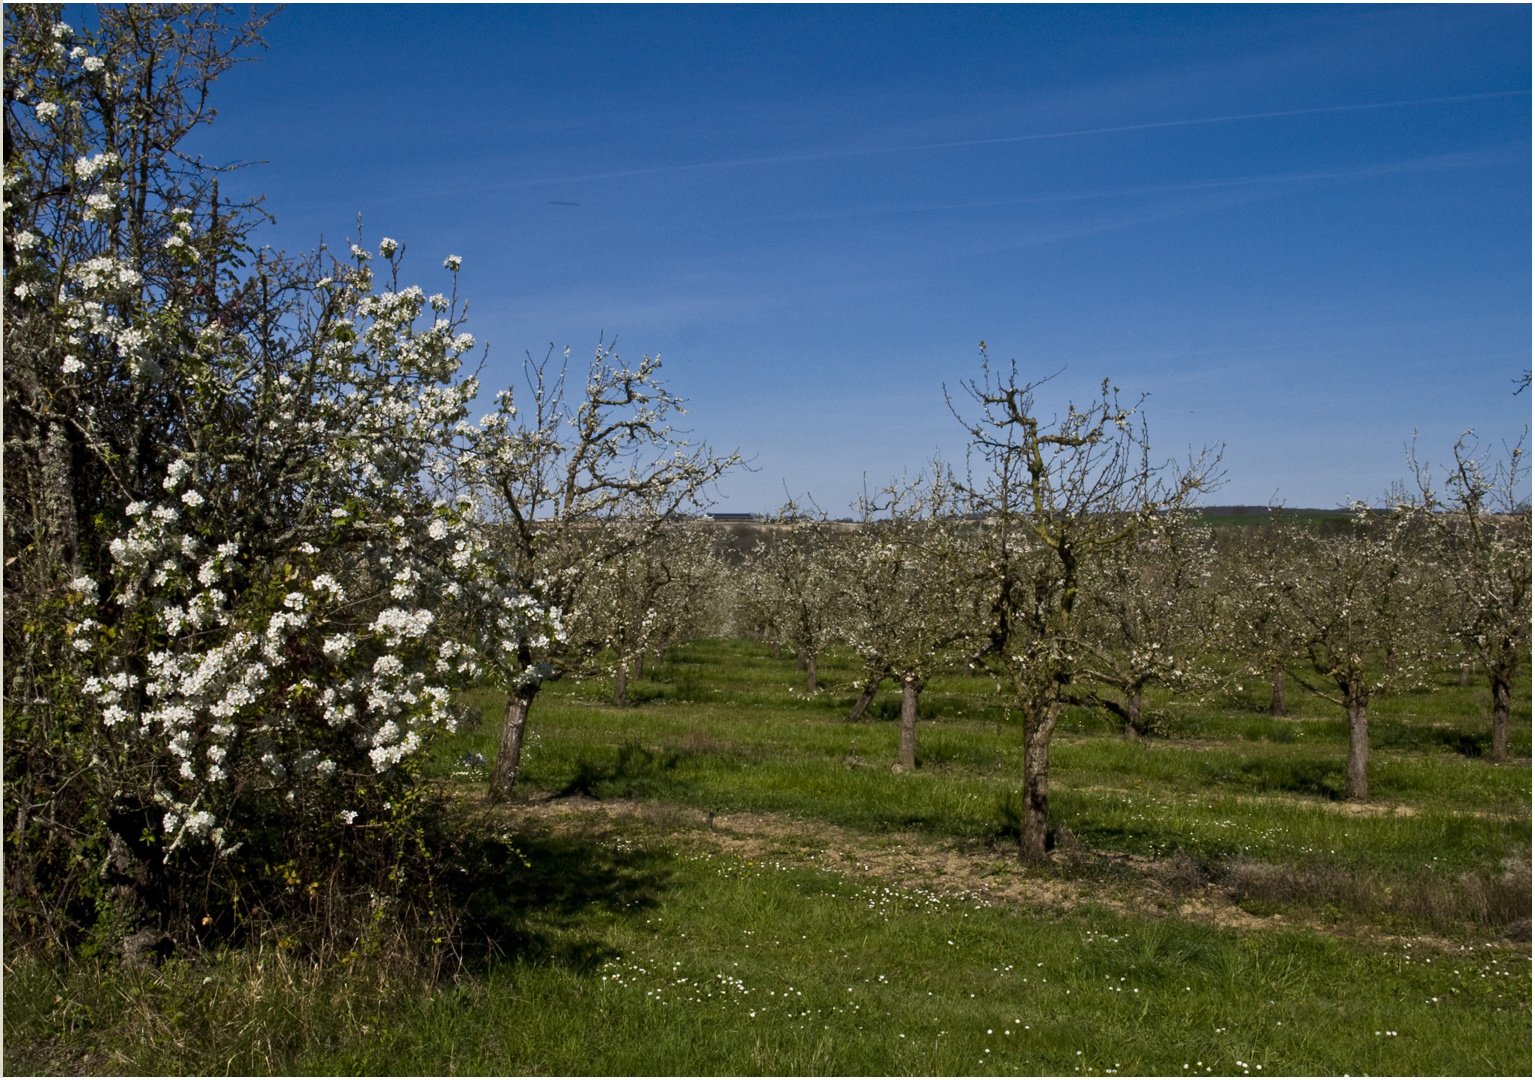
(300, 611)
(87, 168)
(105, 273)
(236, 688)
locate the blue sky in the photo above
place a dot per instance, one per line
(1304, 231)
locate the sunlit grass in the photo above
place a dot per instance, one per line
(1222, 786)
(640, 947)
(706, 964)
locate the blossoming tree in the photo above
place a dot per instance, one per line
(551, 479)
(1148, 616)
(1359, 600)
(1483, 528)
(235, 607)
(1056, 498)
(909, 604)
(797, 573)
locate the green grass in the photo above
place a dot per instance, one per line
(638, 944)
(671, 963)
(1221, 786)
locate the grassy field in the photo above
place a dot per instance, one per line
(729, 878)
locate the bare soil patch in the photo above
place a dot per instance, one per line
(1074, 875)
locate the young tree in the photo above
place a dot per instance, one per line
(1357, 601)
(1056, 498)
(1147, 615)
(1483, 528)
(552, 479)
(645, 598)
(690, 603)
(910, 603)
(1254, 621)
(797, 570)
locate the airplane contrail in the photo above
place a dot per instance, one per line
(824, 155)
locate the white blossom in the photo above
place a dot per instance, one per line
(88, 167)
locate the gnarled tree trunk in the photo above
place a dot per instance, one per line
(1500, 695)
(621, 685)
(1276, 695)
(911, 690)
(1039, 725)
(799, 659)
(810, 681)
(1357, 703)
(639, 664)
(866, 698)
(509, 756)
(1134, 729)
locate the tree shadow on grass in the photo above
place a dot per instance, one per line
(1299, 776)
(1431, 739)
(636, 768)
(528, 899)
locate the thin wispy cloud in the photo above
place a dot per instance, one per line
(827, 155)
(1469, 160)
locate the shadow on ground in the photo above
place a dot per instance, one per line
(527, 899)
